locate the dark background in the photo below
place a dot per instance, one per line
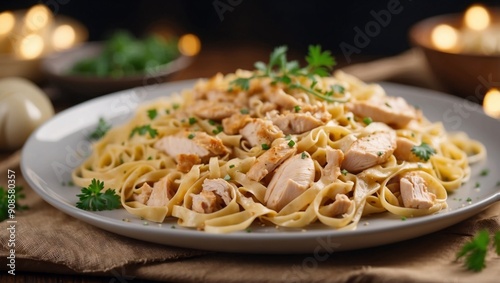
(256, 22)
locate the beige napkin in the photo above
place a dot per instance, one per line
(49, 241)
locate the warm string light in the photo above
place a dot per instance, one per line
(189, 44)
(31, 34)
(491, 103)
(479, 34)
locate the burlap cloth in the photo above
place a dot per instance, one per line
(49, 241)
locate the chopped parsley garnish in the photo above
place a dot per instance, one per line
(167, 111)
(227, 177)
(468, 199)
(423, 151)
(485, 172)
(100, 130)
(142, 130)
(297, 108)
(191, 136)
(477, 185)
(91, 198)
(192, 120)
(388, 105)
(338, 89)
(211, 122)
(152, 113)
(403, 218)
(380, 153)
(218, 130)
(289, 73)
(175, 106)
(291, 143)
(476, 249)
(231, 166)
(344, 172)
(265, 146)
(303, 155)
(367, 120)
(244, 111)
(4, 201)
(248, 230)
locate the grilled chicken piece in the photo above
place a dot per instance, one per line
(390, 110)
(269, 160)
(403, 150)
(296, 123)
(214, 110)
(317, 111)
(201, 144)
(214, 195)
(339, 207)
(232, 125)
(144, 195)
(290, 180)
(414, 191)
(334, 159)
(186, 161)
(369, 151)
(161, 194)
(260, 131)
(282, 99)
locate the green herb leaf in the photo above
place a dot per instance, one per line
(192, 120)
(4, 201)
(152, 113)
(92, 198)
(175, 106)
(423, 151)
(475, 251)
(367, 120)
(303, 155)
(291, 143)
(191, 136)
(265, 146)
(243, 83)
(320, 62)
(101, 129)
(142, 130)
(227, 177)
(344, 172)
(244, 111)
(485, 172)
(297, 108)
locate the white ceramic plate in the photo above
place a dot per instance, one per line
(60, 145)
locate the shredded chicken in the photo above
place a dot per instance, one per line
(340, 206)
(334, 158)
(290, 180)
(192, 143)
(214, 195)
(269, 160)
(296, 123)
(369, 151)
(260, 131)
(390, 110)
(414, 191)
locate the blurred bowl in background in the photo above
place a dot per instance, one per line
(467, 74)
(57, 68)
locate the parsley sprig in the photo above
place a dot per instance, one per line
(92, 197)
(142, 130)
(101, 129)
(4, 201)
(423, 151)
(280, 70)
(475, 250)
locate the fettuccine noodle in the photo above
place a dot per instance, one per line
(219, 158)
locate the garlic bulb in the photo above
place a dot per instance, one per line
(23, 107)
